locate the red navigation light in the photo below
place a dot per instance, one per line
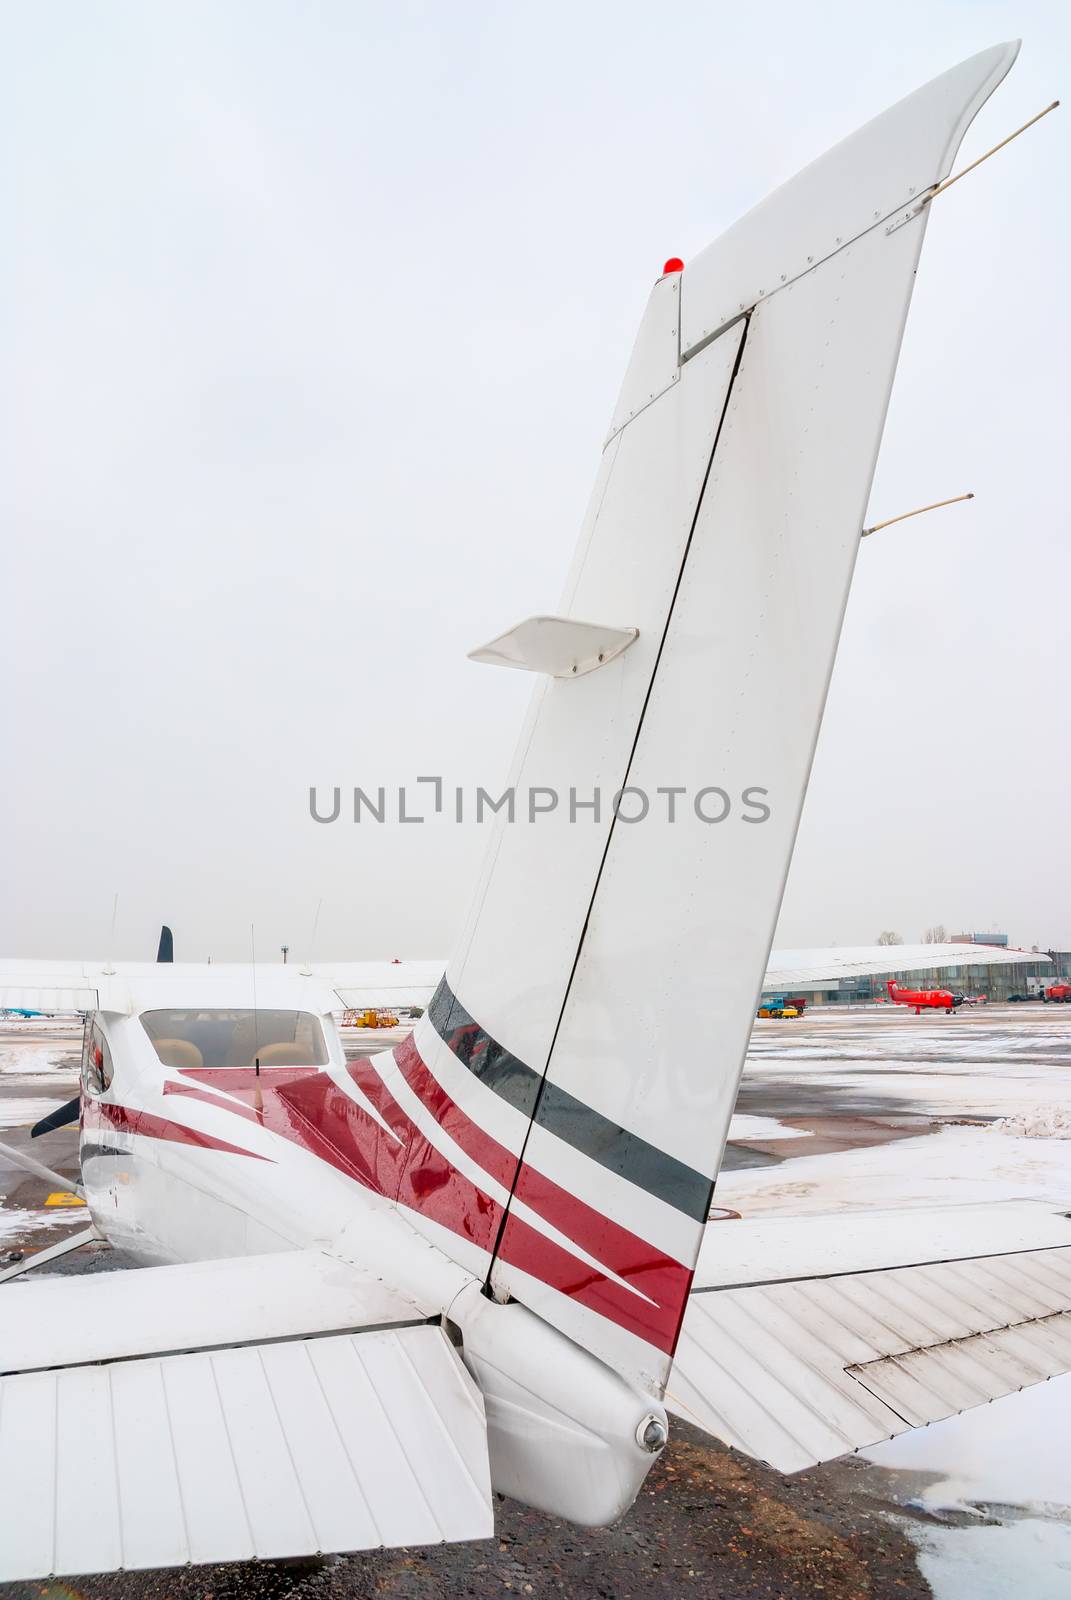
(674, 264)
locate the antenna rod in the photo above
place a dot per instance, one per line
(904, 515)
(941, 187)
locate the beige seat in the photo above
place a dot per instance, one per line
(285, 1055)
(180, 1053)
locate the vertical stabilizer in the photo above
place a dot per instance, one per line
(570, 1089)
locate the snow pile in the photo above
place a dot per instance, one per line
(1039, 1122)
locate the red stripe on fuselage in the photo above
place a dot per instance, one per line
(310, 1110)
(628, 1256)
(126, 1120)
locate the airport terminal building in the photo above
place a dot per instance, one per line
(997, 983)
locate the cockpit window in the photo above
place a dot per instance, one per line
(96, 1059)
(207, 1037)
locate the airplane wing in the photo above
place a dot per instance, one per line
(809, 1337)
(106, 985)
(791, 967)
(382, 983)
(91, 985)
(50, 985)
(264, 1407)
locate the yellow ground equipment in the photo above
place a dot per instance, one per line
(370, 1017)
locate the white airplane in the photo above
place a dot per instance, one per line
(376, 1291)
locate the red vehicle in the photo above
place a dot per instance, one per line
(923, 999)
(1058, 992)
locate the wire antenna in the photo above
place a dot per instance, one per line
(956, 176)
(904, 515)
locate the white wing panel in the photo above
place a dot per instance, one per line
(341, 1443)
(135, 985)
(800, 1371)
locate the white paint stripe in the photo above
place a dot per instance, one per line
(488, 1110)
(418, 1113)
(661, 1225)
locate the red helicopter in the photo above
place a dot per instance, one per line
(923, 999)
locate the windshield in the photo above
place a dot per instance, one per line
(206, 1037)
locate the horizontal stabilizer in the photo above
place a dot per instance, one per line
(800, 1369)
(349, 1442)
(56, 1322)
(266, 1407)
(559, 646)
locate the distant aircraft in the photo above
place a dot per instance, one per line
(374, 1292)
(923, 999)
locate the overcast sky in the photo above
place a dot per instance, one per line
(312, 318)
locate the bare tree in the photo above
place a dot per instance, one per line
(938, 934)
(888, 937)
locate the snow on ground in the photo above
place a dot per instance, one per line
(745, 1127)
(15, 1224)
(952, 1087)
(1014, 1452)
(20, 1113)
(38, 1058)
(953, 1166)
(1027, 1560)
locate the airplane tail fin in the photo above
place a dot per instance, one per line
(571, 1086)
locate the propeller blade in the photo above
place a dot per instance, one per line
(166, 949)
(58, 1118)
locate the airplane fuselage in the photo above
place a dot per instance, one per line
(185, 1164)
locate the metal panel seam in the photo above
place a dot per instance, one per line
(444, 1430)
(234, 1458)
(289, 1452)
(175, 1461)
(345, 1447)
(397, 1438)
